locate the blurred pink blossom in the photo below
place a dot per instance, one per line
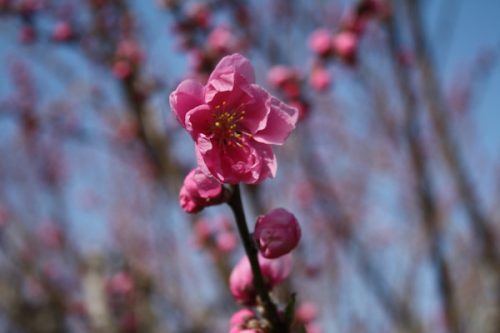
(62, 31)
(27, 34)
(306, 312)
(320, 41)
(122, 69)
(278, 75)
(240, 317)
(241, 280)
(222, 40)
(120, 284)
(226, 241)
(345, 45)
(320, 78)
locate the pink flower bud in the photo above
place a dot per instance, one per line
(345, 45)
(245, 321)
(278, 75)
(130, 50)
(313, 328)
(302, 106)
(320, 42)
(226, 241)
(240, 317)
(199, 191)
(276, 233)
(320, 79)
(62, 32)
(241, 279)
(122, 69)
(202, 232)
(120, 284)
(27, 34)
(306, 312)
(222, 40)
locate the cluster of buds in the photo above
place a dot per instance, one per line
(127, 58)
(288, 81)
(205, 42)
(252, 321)
(63, 32)
(276, 235)
(121, 290)
(344, 44)
(51, 235)
(274, 271)
(217, 234)
(27, 10)
(248, 321)
(305, 316)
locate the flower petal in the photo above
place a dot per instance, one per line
(281, 121)
(256, 110)
(231, 72)
(207, 186)
(188, 95)
(198, 120)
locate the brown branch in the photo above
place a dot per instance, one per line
(422, 177)
(278, 326)
(340, 224)
(446, 143)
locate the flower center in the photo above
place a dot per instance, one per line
(226, 126)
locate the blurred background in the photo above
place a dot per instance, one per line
(392, 171)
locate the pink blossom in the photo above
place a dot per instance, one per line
(200, 14)
(51, 235)
(236, 329)
(306, 312)
(226, 241)
(129, 49)
(278, 75)
(233, 122)
(302, 106)
(222, 40)
(276, 233)
(313, 328)
(122, 69)
(292, 89)
(277, 270)
(199, 191)
(202, 232)
(345, 45)
(320, 41)
(120, 284)
(62, 32)
(242, 320)
(240, 317)
(354, 22)
(27, 34)
(320, 78)
(241, 278)
(4, 215)
(371, 8)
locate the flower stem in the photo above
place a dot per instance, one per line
(278, 326)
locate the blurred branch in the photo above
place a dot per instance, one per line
(422, 179)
